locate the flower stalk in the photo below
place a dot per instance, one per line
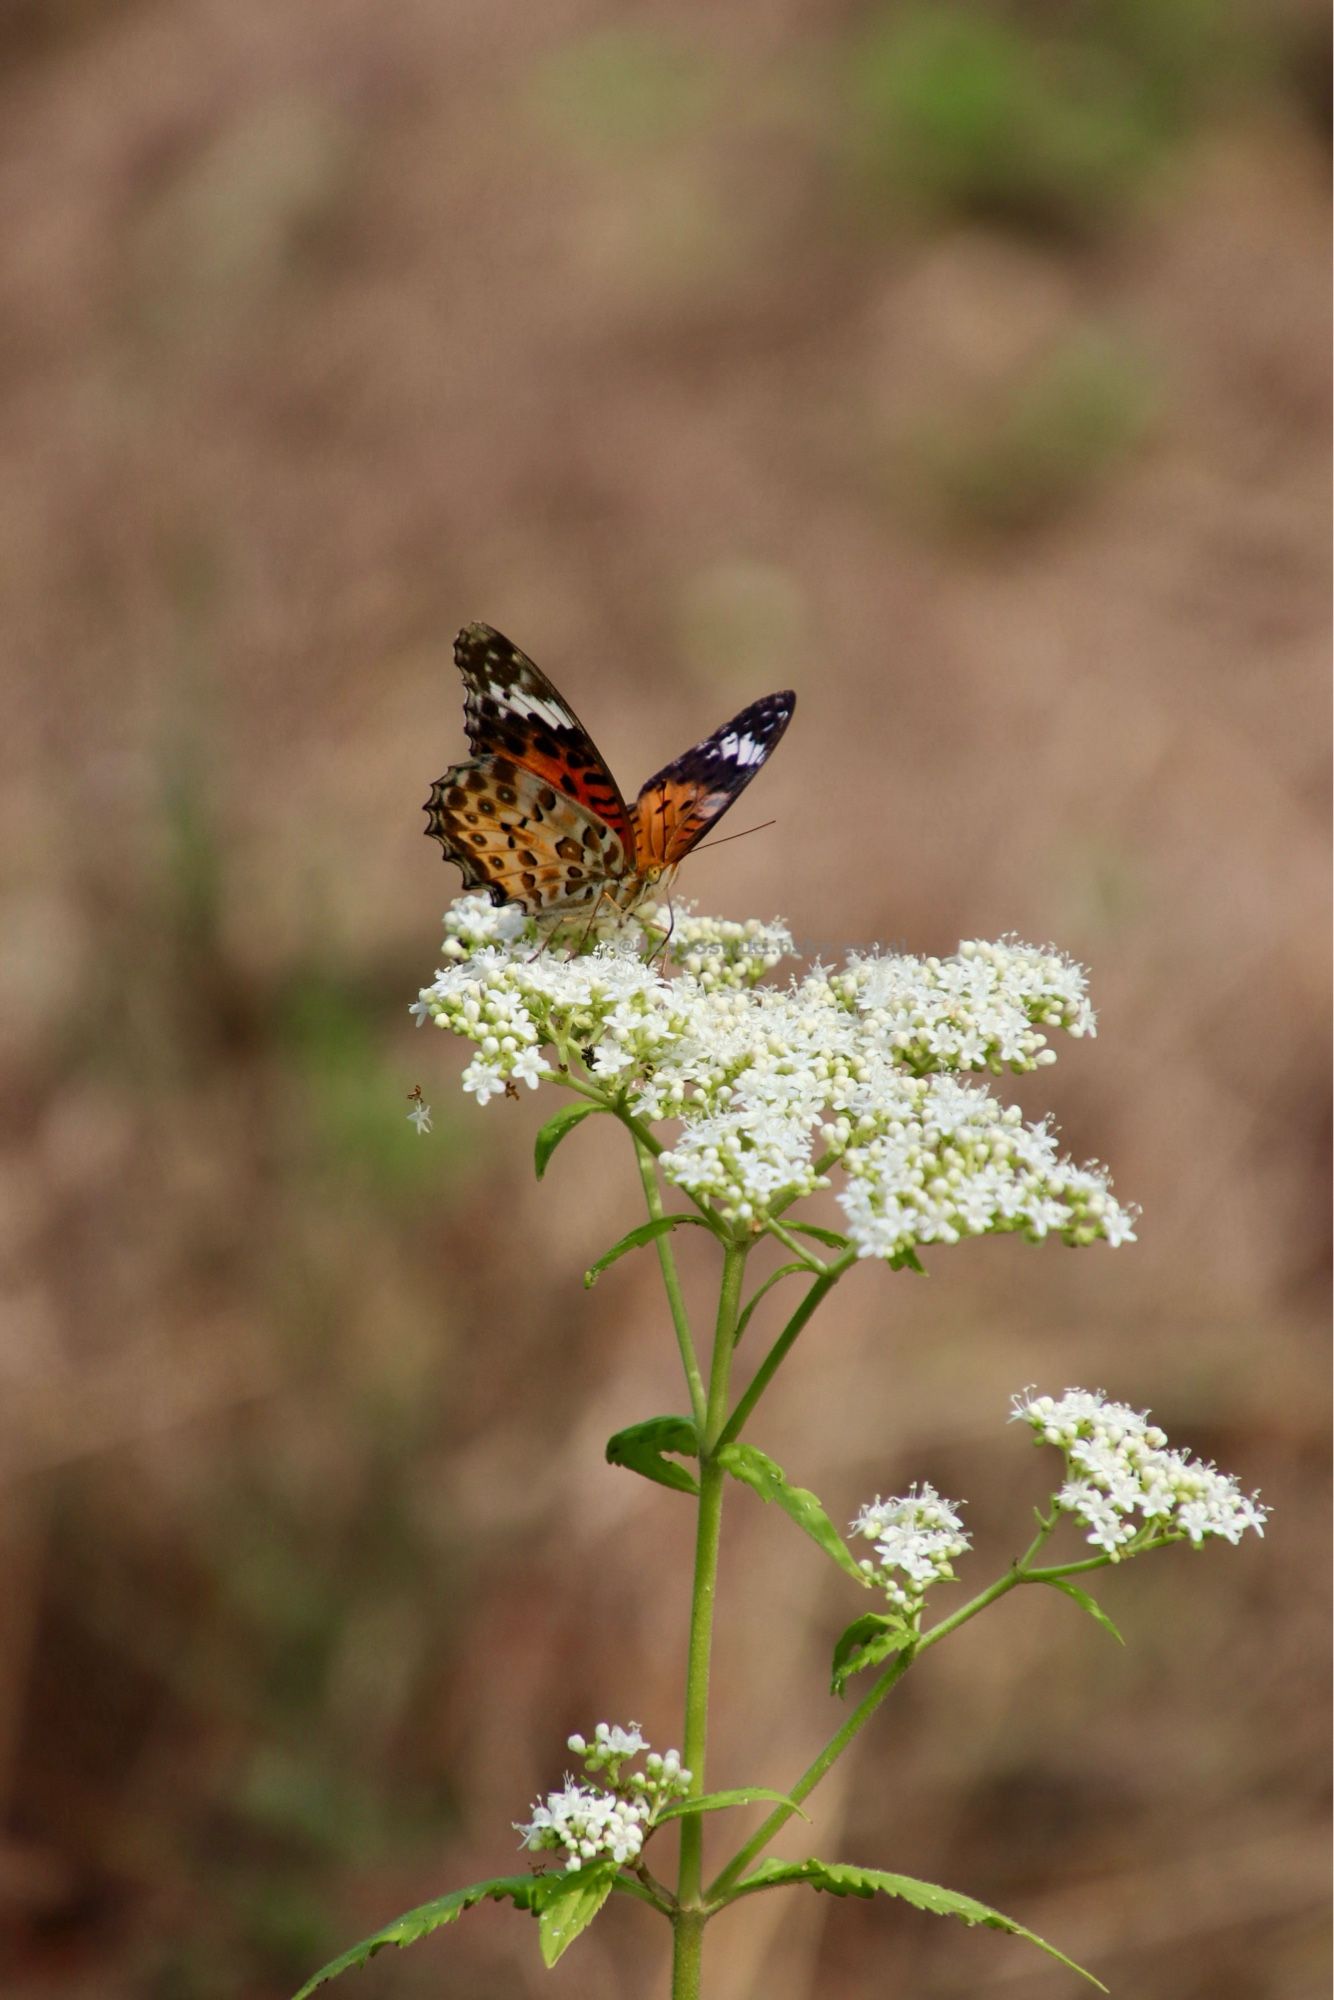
(747, 1098)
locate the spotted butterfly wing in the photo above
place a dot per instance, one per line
(685, 798)
(534, 817)
(510, 708)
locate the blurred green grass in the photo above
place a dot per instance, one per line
(1042, 446)
(1048, 120)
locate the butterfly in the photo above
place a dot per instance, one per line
(534, 816)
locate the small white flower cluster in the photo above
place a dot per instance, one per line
(1127, 1484)
(714, 951)
(774, 1086)
(474, 922)
(916, 1536)
(941, 1160)
(985, 1008)
(744, 1165)
(595, 1822)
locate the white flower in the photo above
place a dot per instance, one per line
(610, 1819)
(587, 1825)
(483, 1080)
(858, 1070)
(985, 1008)
(714, 952)
(1122, 1467)
(420, 1116)
(917, 1536)
(942, 1159)
(529, 1066)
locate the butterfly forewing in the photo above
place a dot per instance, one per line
(510, 709)
(681, 802)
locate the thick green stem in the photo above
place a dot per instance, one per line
(671, 1280)
(689, 1920)
(687, 1950)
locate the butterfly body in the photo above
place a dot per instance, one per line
(535, 817)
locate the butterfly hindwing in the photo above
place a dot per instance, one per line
(681, 802)
(512, 710)
(515, 836)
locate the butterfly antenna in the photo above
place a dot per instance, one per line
(722, 842)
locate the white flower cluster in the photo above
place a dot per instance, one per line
(611, 1820)
(774, 1086)
(714, 951)
(917, 1537)
(943, 1160)
(1127, 1484)
(985, 1008)
(473, 922)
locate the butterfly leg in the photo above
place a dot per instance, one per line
(664, 943)
(602, 896)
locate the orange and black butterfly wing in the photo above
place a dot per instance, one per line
(523, 842)
(534, 817)
(681, 802)
(511, 709)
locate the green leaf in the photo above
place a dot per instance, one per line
(521, 1890)
(866, 1643)
(754, 1469)
(640, 1449)
(557, 1127)
(568, 1903)
(745, 1795)
(907, 1260)
(839, 1879)
(1085, 1603)
(829, 1237)
(783, 1271)
(635, 1239)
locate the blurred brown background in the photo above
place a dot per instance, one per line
(962, 366)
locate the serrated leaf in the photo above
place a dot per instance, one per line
(558, 1126)
(841, 1879)
(907, 1260)
(635, 1239)
(865, 1643)
(521, 1890)
(756, 1470)
(640, 1449)
(744, 1795)
(1085, 1603)
(567, 1904)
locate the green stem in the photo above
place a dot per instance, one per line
(671, 1280)
(688, 1922)
(718, 1890)
(1018, 1573)
(774, 1359)
(808, 1257)
(645, 1889)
